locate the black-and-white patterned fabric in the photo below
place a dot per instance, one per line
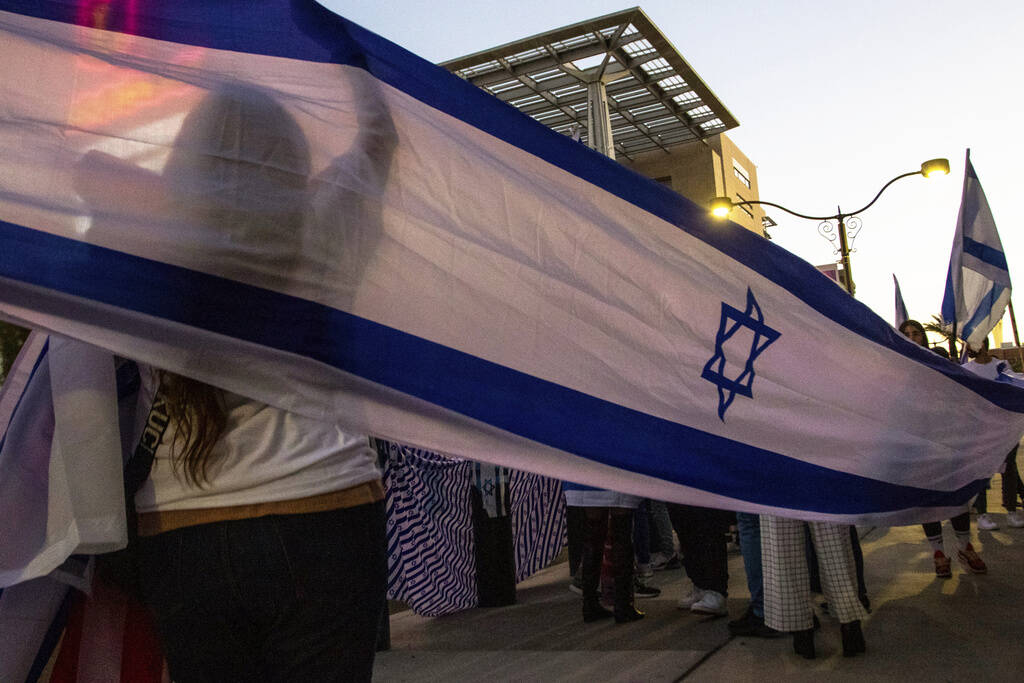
(787, 590)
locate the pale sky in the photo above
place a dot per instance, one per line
(833, 97)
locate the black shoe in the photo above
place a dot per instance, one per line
(594, 612)
(641, 590)
(853, 638)
(751, 625)
(803, 643)
(742, 621)
(628, 614)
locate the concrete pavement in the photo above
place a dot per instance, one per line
(922, 628)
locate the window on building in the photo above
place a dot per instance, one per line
(741, 173)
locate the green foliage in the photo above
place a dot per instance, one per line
(11, 339)
(935, 327)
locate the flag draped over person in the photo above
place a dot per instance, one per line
(901, 308)
(381, 244)
(978, 281)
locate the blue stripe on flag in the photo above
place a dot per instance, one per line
(985, 253)
(948, 311)
(983, 311)
(503, 397)
(300, 29)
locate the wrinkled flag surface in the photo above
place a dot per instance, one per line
(266, 197)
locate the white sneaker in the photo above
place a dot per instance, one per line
(987, 523)
(644, 571)
(713, 602)
(688, 601)
(1015, 519)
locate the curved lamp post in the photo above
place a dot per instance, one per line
(721, 207)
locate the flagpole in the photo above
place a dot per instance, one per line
(1016, 339)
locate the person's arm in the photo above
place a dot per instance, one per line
(347, 196)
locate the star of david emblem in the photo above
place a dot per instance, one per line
(731, 322)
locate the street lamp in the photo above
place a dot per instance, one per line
(721, 207)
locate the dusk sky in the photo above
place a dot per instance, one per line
(833, 99)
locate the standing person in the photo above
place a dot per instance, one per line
(663, 545)
(986, 365)
(605, 513)
(261, 531)
(914, 331)
(787, 586)
(702, 544)
(748, 525)
(261, 538)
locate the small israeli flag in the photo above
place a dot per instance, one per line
(901, 308)
(978, 281)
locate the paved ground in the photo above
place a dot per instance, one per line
(925, 629)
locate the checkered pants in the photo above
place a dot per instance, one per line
(787, 589)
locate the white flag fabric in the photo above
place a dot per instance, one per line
(978, 281)
(266, 197)
(61, 490)
(32, 618)
(901, 308)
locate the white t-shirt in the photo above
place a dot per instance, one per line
(989, 370)
(264, 455)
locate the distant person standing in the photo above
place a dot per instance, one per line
(986, 365)
(914, 331)
(606, 515)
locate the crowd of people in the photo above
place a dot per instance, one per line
(785, 560)
(211, 481)
(259, 533)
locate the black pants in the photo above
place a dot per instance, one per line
(702, 542)
(1011, 488)
(575, 530)
(616, 525)
(961, 523)
(1011, 482)
(275, 598)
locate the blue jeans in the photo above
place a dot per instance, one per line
(749, 527)
(661, 529)
(274, 598)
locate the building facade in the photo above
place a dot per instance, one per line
(705, 169)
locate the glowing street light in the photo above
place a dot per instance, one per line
(720, 207)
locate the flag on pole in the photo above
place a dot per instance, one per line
(266, 197)
(901, 308)
(978, 280)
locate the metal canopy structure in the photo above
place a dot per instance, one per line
(622, 61)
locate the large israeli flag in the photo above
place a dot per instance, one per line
(978, 281)
(266, 197)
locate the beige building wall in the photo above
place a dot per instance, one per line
(703, 170)
(997, 336)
